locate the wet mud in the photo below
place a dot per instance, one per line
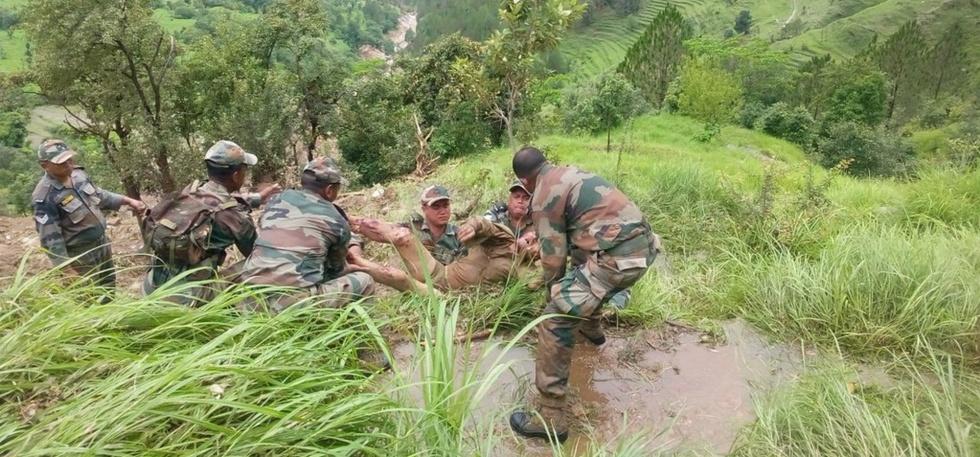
(675, 387)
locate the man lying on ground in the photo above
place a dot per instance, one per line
(493, 250)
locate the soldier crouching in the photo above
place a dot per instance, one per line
(303, 244)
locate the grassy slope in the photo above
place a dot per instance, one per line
(886, 266)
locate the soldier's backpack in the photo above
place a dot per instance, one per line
(178, 228)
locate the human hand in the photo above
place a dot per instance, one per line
(269, 191)
(137, 206)
(466, 233)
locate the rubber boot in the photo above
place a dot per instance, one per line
(592, 331)
(550, 421)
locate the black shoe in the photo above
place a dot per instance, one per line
(596, 341)
(530, 426)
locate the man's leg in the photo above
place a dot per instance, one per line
(389, 276)
(571, 299)
(345, 289)
(419, 263)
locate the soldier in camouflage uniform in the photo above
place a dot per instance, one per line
(516, 215)
(433, 228)
(576, 210)
(67, 212)
(227, 166)
(303, 243)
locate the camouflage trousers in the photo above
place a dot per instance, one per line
(334, 293)
(209, 284)
(95, 261)
(577, 299)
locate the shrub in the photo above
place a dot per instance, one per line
(873, 152)
(184, 12)
(791, 124)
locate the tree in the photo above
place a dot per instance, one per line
(858, 93)
(602, 105)
(812, 84)
(902, 57)
(377, 132)
(652, 62)
(946, 60)
(743, 22)
(870, 151)
(708, 93)
(114, 61)
(530, 28)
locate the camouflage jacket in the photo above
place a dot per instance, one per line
(498, 214)
(302, 242)
(70, 218)
(230, 226)
(446, 249)
(579, 211)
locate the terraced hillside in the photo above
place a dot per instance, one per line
(603, 44)
(848, 35)
(841, 28)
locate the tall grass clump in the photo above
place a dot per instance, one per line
(141, 377)
(442, 392)
(872, 288)
(924, 410)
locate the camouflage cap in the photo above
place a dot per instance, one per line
(517, 185)
(228, 154)
(433, 194)
(325, 170)
(54, 151)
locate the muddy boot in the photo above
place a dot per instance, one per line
(592, 331)
(549, 422)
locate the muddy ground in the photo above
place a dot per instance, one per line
(682, 389)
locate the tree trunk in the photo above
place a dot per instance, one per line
(608, 139)
(167, 183)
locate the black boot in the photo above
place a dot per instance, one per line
(529, 425)
(596, 340)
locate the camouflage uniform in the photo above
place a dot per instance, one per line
(581, 213)
(490, 258)
(303, 241)
(69, 219)
(448, 247)
(231, 225)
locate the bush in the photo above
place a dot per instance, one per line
(13, 129)
(376, 129)
(872, 152)
(184, 12)
(751, 112)
(791, 124)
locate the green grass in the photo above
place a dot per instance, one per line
(13, 51)
(919, 410)
(170, 23)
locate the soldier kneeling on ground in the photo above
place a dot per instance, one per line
(303, 244)
(189, 232)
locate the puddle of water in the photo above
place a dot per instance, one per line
(663, 384)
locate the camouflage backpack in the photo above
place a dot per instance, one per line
(178, 228)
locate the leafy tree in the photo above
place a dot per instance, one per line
(871, 152)
(946, 60)
(13, 129)
(743, 22)
(114, 61)
(8, 18)
(765, 74)
(858, 93)
(602, 105)
(375, 135)
(439, 92)
(903, 58)
(708, 93)
(530, 28)
(812, 84)
(653, 61)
